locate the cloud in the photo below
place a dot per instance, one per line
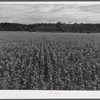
(91, 8)
(33, 13)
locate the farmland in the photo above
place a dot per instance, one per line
(49, 61)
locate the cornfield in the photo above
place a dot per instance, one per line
(49, 61)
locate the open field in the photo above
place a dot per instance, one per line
(45, 61)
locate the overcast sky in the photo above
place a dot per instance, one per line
(35, 13)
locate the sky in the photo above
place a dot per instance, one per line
(50, 13)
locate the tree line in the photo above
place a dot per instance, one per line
(51, 27)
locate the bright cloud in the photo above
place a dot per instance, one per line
(34, 13)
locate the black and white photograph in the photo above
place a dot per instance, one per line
(50, 46)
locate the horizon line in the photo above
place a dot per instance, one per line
(48, 23)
